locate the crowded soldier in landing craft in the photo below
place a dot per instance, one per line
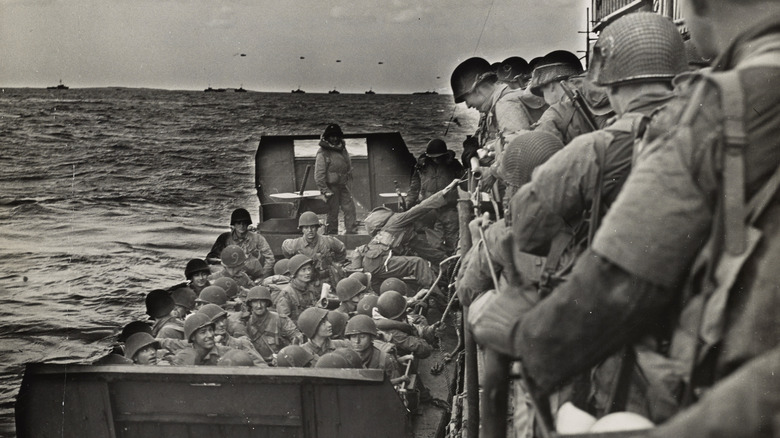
(617, 235)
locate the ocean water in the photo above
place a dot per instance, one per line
(105, 194)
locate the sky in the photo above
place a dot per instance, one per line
(192, 44)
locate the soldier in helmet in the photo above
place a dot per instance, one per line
(393, 322)
(184, 301)
(333, 175)
(234, 262)
(259, 256)
(394, 236)
(563, 119)
(212, 295)
(350, 291)
(327, 252)
(338, 322)
(314, 323)
(222, 338)
(197, 273)
(268, 331)
(515, 72)
(367, 305)
(364, 278)
(362, 332)
(203, 350)
(302, 291)
(435, 169)
(159, 306)
(294, 356)
(141, 348)
(688, 240)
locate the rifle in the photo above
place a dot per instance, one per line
(579, 104)
(401, 199)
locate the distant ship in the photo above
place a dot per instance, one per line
(334, 91)
(298, 91)
(240, 89)
(214, 90)
(61, 86)
(426, 92)
(370, 91)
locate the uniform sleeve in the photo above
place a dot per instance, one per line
(321, 173)
(419, 347)
(290, 332)
(474, 276)
(338, 249)
(283, 305)
(246, 345)
(551, 122)
(744, 405)
(401, 220)
(172, 345)
(414, 187)
(267, 256)
(216, 249)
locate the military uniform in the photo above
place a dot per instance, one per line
(271, 333)
(327, 346)
(168, 327)
(508, 112)
(327, 252)
(404, 337)
(333, 173)
(660, 225)
(236, 323)
(384, 256)
(260, 257)
(375, 359)
(189, 356)
(292, 299)
(241, 278)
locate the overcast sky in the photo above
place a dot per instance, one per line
(191, 44)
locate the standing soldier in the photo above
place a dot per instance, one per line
(268, 331)
(563, 119)
(327, 252)
(692, 239)
(436, 168)
(333, 175)
(260, 258)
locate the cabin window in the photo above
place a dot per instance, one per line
(357, 147)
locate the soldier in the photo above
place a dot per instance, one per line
(515, 72)
(197, 272)
(294, 356)
(184, 301)
(394, 236)
(260, 258)
(159, 306)
(563, 119)
(332, 360)
(362, 332)
(407, 338)
(327, 252)
(199, 332)
(333, 175)
(314, 323)
(680, 243)
(349, 291)
(518, 163)
(141, 348)
(235, 264)
(301, 292)
(435, 169)
(364, 279)
(268, 331)
(222, 338)
(231, 288)
(212, 295)
(366, 305)
(338, 322)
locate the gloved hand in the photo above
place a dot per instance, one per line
(494, 318)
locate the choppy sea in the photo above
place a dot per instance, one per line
(106, 193)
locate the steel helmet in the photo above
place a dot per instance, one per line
(514, 68)
(213, 311)
(465, 76)
(362, 277)
(367, 304)
(236, 358)
(333, 129)
(133, 328)
(184, 297)
(228, 285)
(212, 295)
(294, 356)
(297, 262)
(361, 324)
(310, 319)
(395, 284)
(638, 47)
(391, 304)
(233, 256)
(258, 293)
(239, 215)
(195, 323)
(377, 219)
(338, 321)
(526, 152)
(332, 360)
(352, 357)
(159, 303)
(436, 148)
(137, 341)
(308, 219)
(196, 265)
(347, 288)
(554, 66)
(282, 267)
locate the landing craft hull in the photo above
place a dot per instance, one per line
(378, 159)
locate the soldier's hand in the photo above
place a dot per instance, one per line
(451, 185)
(494, 318)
